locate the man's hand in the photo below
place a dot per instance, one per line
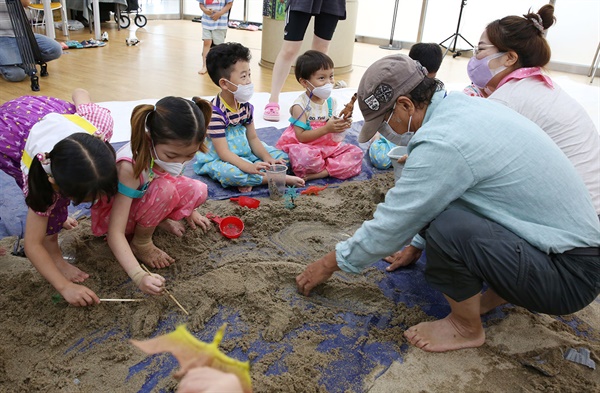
(405, 257)
(316, 273)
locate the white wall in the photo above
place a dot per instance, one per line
(573, 38)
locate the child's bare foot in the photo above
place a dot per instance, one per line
(72, 273)
(446, 334)
(151, 255)
(245, 188)
(70, 223)
(202, 71)
(175, 227)
(489, 301)
(324, 173)
(294, 181)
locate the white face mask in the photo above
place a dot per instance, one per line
(388, 133)
(323, 92)
(243, 92)
(172, 168)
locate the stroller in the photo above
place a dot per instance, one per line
(123, 17)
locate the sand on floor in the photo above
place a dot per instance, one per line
(55, 347)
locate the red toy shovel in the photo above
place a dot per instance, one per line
(231, 227)
(246, 202)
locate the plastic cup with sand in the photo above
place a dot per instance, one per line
(394, 155)
(276, 181)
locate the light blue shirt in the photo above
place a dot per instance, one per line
(480, 156)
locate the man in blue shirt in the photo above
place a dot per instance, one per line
(494, 197)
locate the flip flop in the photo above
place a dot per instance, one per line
(271, 112)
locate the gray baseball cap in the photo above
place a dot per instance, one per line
(383, 82)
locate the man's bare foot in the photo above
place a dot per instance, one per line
(446, 334)
(489, 301)
(151, 255)
(294, 181)
(175, 227)
(202, 71)
(72, 273)
(245, 188)
(70, 223)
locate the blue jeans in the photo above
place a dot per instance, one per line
(10, 57)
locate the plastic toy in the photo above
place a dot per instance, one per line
(289, 197)
(313, 190)
(347, 111)
(245, 201)
(191, 352)
(231, 227)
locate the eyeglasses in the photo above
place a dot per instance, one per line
(480, 48)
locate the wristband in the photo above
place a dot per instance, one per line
(138, 275)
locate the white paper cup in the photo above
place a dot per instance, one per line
(394, 155)
(276, 181)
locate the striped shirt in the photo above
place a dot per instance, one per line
(215, 5)
(223, 115)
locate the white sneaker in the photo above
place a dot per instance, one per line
(104, 36)
(132, 41)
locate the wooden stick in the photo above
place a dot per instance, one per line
(122, 300)
(167, 292)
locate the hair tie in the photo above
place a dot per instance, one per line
(154, 108)
(537, 22)
(45, 161)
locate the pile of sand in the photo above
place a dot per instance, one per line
(56, 347)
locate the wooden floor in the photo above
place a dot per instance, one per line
(166, 62)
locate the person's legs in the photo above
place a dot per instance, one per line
(464, 250)
(325, 25)
(9, 58)
(292, 41)
(207, 43)
(51, 49)
(13, 73)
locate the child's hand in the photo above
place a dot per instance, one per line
(152, 284)
(198, 219)
(272, 161)
(337, 125)
(79, 295)
(215, 16)
(257, 168)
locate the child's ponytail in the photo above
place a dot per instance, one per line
(40, 192)
(141, 118)
(206, 109)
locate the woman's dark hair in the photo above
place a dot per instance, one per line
(524, 36)
(422, 94)
(221, 59)
(310, 62)
(83, 168)
(171, 119)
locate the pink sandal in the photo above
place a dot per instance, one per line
(271, 112)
